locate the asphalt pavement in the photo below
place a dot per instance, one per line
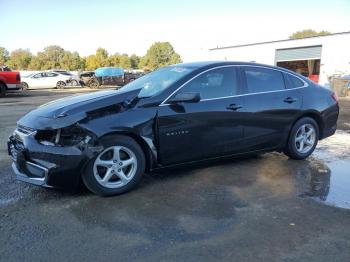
(261, 208)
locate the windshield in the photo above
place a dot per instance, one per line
(157, 81)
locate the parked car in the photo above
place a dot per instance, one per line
(74, 81)
(175, 115)
(47, 80)
(9, 80)
(114, 76)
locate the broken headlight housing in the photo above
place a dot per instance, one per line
(68, 136)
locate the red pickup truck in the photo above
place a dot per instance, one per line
(9, 81)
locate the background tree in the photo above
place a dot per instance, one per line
(4, 56)
(20, 59)
(37, 62)
(124, 61)
(134, 61)
(55, 57)
(307, 33)
(52, 56)
(100, 59)
(114, 60)
(158, 55)
(72, 61)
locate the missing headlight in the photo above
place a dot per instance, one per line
(69, 136)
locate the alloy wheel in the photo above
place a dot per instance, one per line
(305, 138)
(115, 167)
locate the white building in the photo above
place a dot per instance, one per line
(319, 57)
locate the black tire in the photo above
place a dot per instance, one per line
(60, 85)
(291, 149)
(25, 86)
(93, 185)
(94, 84)
(74, 82)
(2, 90)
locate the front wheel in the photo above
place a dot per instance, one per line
(303, 139)
(118, 168)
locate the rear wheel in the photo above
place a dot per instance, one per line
(94, 83)
(25, 86)
(60, 85)
(117, 169)
(303, 138)
(2, 90)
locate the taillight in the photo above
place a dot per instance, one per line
(18, 78)
(335, 97)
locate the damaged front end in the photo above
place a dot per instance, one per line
(52, 144)
(51, 158)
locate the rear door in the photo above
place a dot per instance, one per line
(209, 128)
(270, 105)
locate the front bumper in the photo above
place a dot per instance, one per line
(43, 165)
(39, 181)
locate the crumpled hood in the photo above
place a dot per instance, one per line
(66, 111)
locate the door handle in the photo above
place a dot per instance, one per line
(234, 107)
(289, 100)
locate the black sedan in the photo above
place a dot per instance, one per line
(175, 115)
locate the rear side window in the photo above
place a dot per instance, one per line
(216, 83)
(294, 81)
(263, 80)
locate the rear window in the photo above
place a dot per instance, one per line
(263, 80)
(295, 82)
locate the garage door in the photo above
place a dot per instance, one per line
(300, 53)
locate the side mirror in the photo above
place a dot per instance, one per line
(186, 98)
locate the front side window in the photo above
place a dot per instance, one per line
(216, 83)
(39, 75)
(263, 80)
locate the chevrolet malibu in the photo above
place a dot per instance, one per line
(176, 115)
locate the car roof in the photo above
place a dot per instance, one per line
(210, 64)
(222, 63)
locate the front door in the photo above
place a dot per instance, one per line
(209, 128)
(37, 81)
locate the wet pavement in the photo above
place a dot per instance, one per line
(262, 208)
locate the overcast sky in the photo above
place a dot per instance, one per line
(191, 26)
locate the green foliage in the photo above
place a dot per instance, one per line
(20, 59)
(158, 55)
(72, 61)
(100, 59)
(124, 61)
(4, 56)
(307, 33)
(52, 56)
(134, 61)
(55, 57)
